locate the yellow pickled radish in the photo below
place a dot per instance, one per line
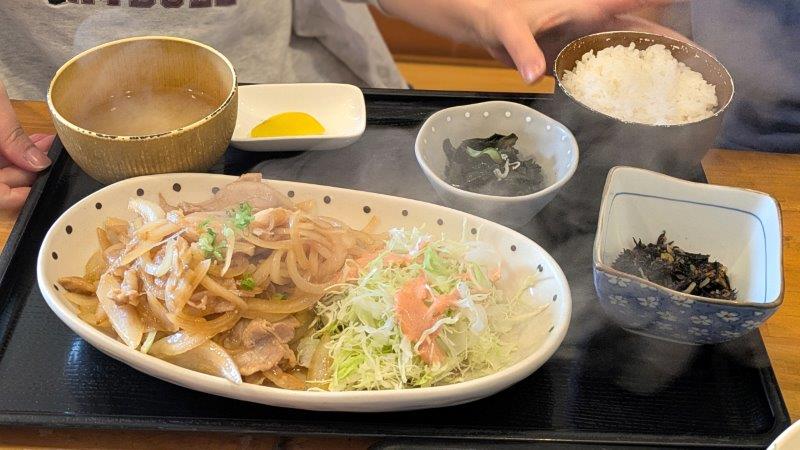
(288, 124)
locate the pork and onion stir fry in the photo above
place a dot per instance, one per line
(227, 286)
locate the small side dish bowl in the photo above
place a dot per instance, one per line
(740, 228)
(549, 142)
(145, 65)
(338, 107)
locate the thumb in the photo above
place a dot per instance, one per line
(15, 145)
(18, 148)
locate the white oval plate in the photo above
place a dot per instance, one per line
(338, 107)
(64, 253)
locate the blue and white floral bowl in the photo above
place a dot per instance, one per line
(740, 228)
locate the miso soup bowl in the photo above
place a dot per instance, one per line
(542, 138)
(144, 64)
(740, 228)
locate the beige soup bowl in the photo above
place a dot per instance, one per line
(149, 63)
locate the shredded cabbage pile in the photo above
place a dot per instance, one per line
(366, 345)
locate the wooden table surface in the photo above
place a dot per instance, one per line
(778, 175)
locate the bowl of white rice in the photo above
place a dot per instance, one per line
(636, 99)
(644, 78)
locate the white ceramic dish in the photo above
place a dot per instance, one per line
(338, 107)
(738, 227)
(64, 253)
(551, 144)
(788, 440)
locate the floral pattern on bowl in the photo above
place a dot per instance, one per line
(737, 227)
(663, 313)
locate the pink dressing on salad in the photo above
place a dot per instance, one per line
(415, 316)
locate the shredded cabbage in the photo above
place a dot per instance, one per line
(367, 346)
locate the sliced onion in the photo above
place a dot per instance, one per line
(73, 307)
(81, 300)
(95, 267)
(100, 315)
(272, 245)
(223, 292)
(117, 229)
(181, 295)
(159, 312)
(124, 318)
(148, 210)
(136, 251)
(371, 225)
(297, 251)
(208, 358)
(239, 268)
(160, 269)
(209, 328)
(255, 378)
(292, 305)
(162, 231)
(148, 341)
(275, 274)
(230, 243)
(261, 274)
(284, 380)
(320, 365)
(143, 231)
(177, 343)
(335, 261)
(305, 206)
(245, 248)
(297, 278)
(257, 314)
(113, 252)
(102, 239)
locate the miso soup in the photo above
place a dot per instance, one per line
(146, 112)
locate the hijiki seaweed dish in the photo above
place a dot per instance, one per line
(491, 166)
(670, 266)
(253, 287)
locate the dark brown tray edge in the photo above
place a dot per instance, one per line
(27, 211)
(144, 423)
(482, 96)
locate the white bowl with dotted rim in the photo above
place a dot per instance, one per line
(71, 240)
(549, 142)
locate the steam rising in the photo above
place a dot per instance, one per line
(383, 161)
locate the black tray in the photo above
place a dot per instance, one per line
(604, 385)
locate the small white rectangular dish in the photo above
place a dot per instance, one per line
(338, 107)
(740, 228)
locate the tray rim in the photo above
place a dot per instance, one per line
(175, 423)
(245, 426)
(9, 251)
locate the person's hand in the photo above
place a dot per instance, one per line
(508, 27)
(21, 156)
(520, 33)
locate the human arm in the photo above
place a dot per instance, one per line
(520, 32)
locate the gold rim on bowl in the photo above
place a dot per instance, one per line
(611, 38)
(211, 115)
